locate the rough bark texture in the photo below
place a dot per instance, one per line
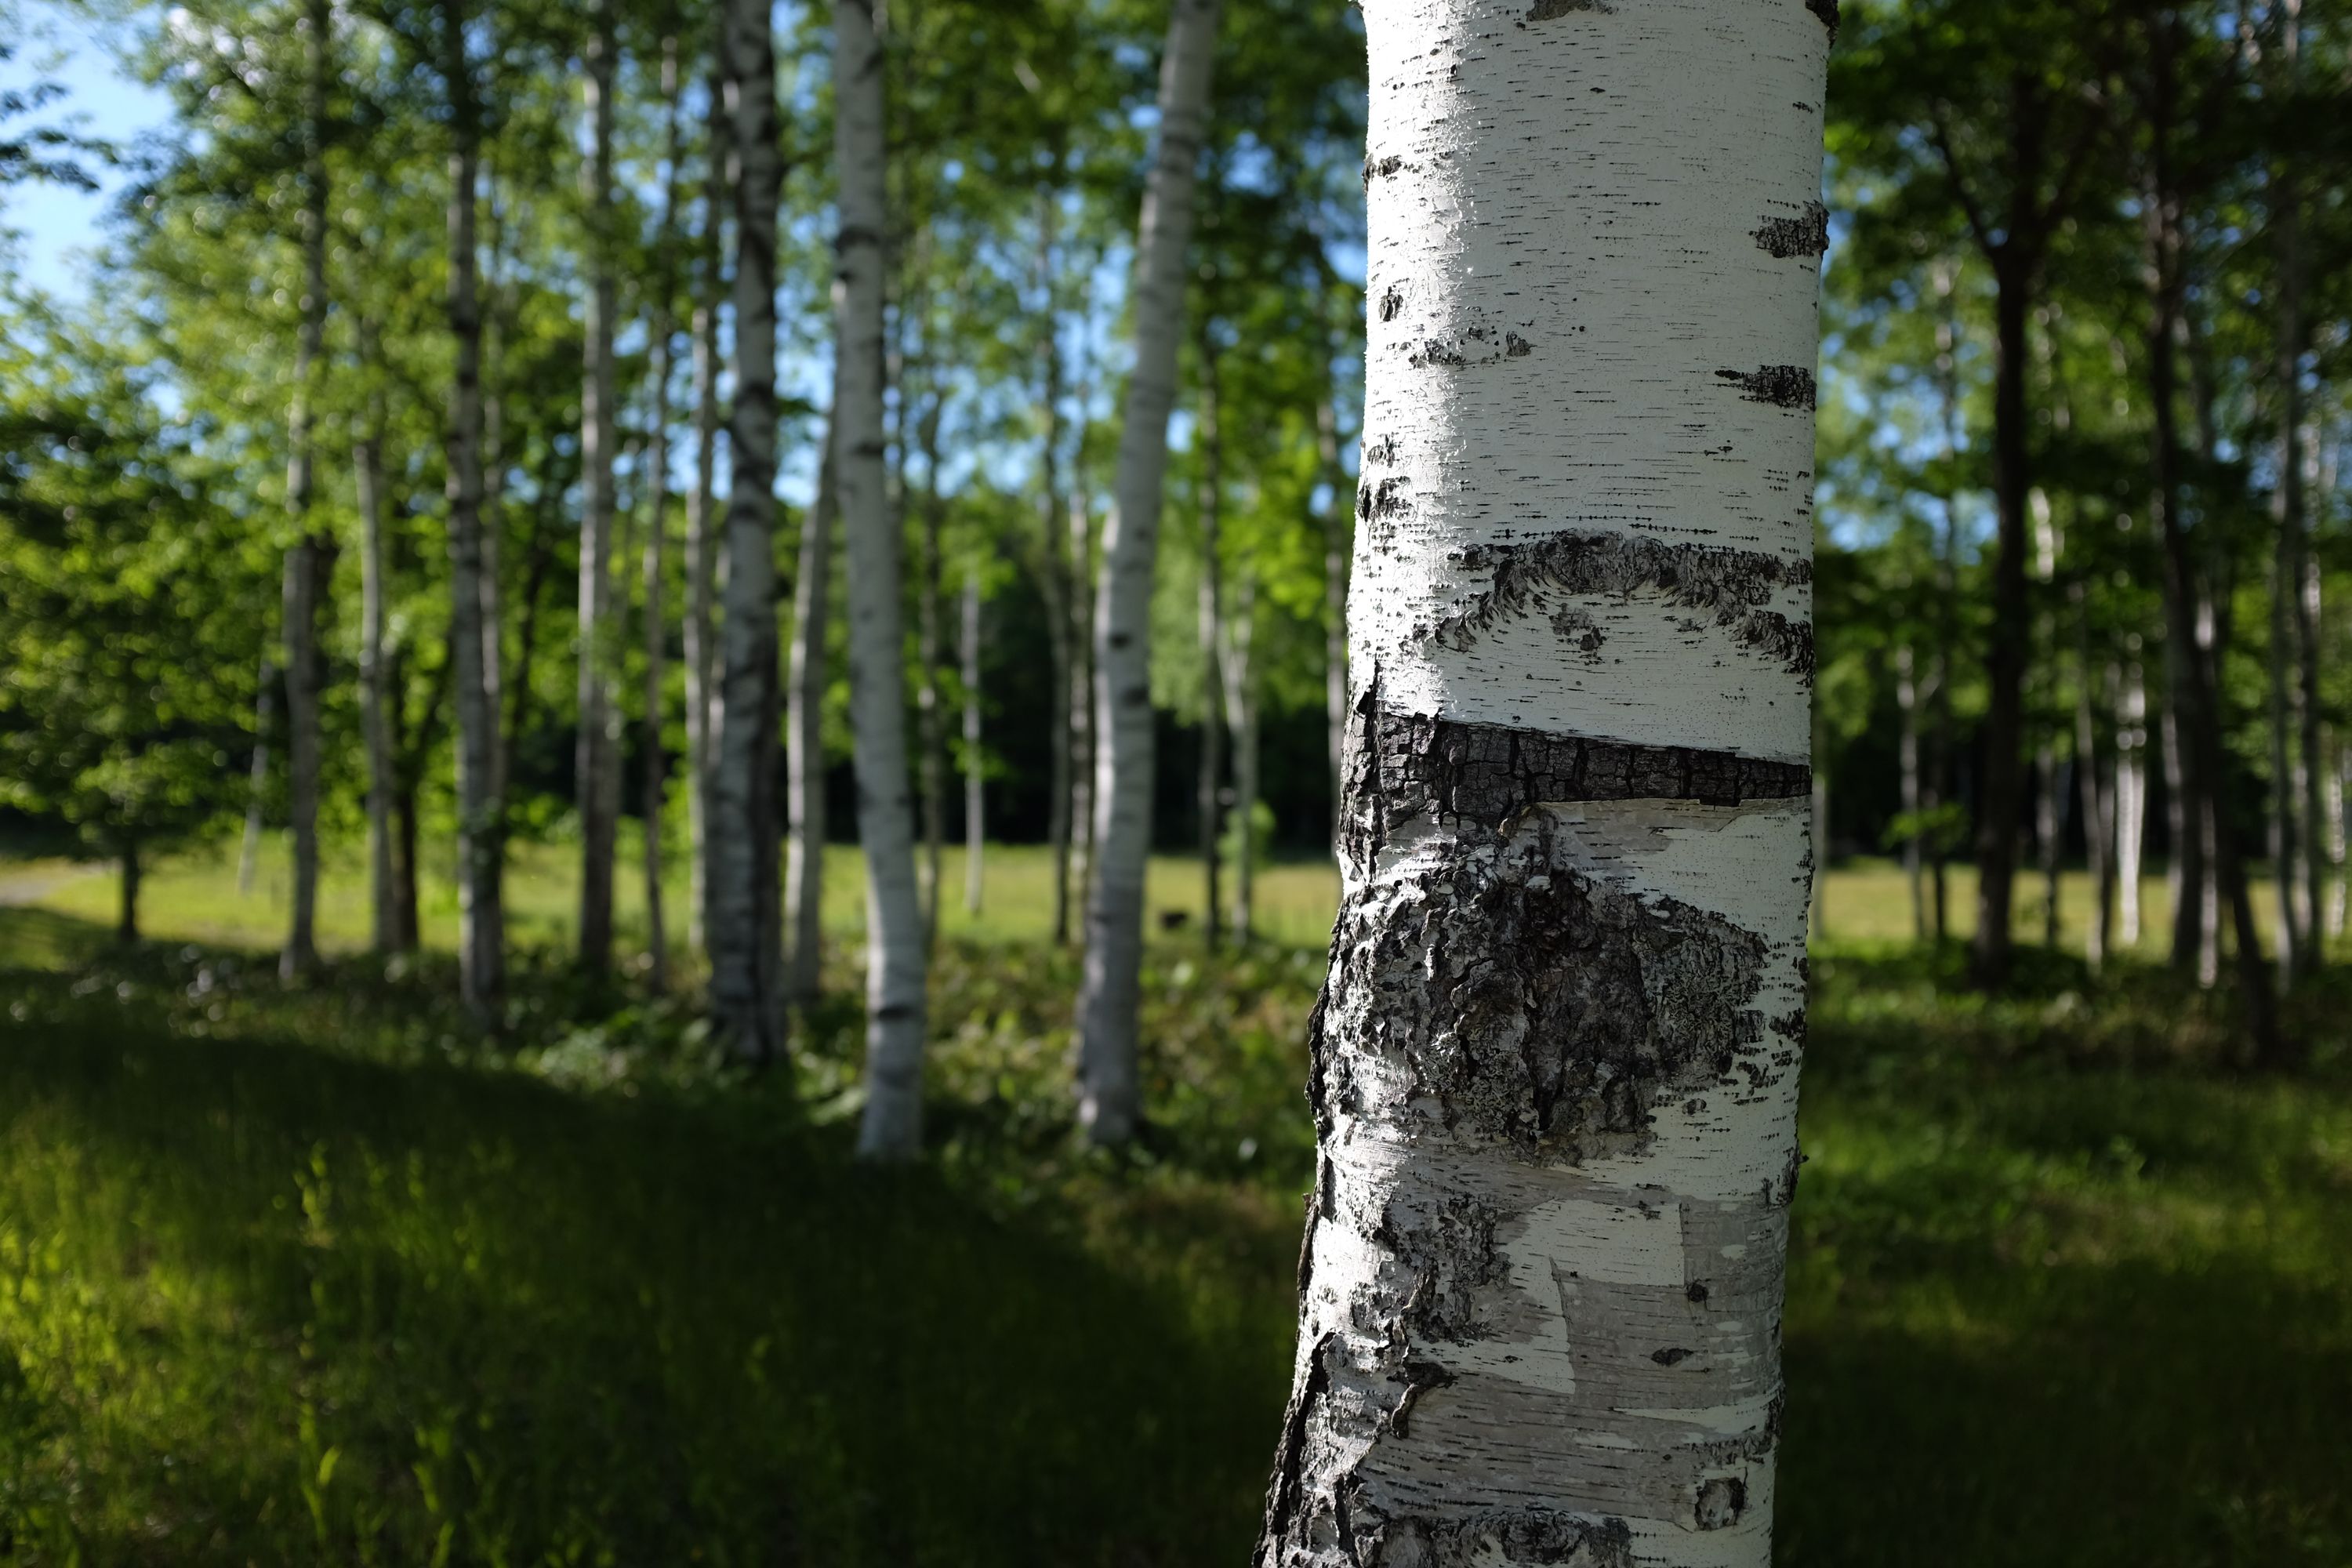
(895, 959)
(1108, 1089)
(1554, 1068)
(596, 762)
(307, 561)
(481, 940)
(744, 930)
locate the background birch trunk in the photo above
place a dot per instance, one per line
(892, 1128)
(596, 761)
(744, 925)
(383, 912)
(1108, 1093)
(656, 620)
(1241, 726)
(2131, 799)
(307, 563)
(481, 941)
(701, 506)
(929, 650)
(257, 793)
(1209, 789)
(1554, 1068)
(805, 804)
(1907, 699)
(975, 787)
(1335, 607)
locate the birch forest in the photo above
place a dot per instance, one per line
(1146, 783)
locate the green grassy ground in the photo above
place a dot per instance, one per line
(293, 1275)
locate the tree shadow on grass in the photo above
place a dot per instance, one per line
(2141, 1417)
(549, 1325)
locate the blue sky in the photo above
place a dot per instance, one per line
(55, 228)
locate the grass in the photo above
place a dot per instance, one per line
(304, 1275)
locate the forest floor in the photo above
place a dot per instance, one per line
(304, 1274)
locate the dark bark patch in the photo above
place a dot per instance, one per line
(1391, 303)
(1551, 10)
(1449, 1250)
(1808, 235)
(1735, 586)
(1721, 1500)
(1421, 1377)
(1562, 1007)
(1530, 1536)
(1673, 1356)
(1381, 168)
(1782, 385)
(1827, 10)
(1515, 346)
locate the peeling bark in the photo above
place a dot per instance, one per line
(1554, 1067)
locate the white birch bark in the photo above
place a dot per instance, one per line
(596, 757)
(804, 805)
(2339, 783)
(975, 787)
(744, 926)
(1109, 1098)
(481, 941)
(2131, 799)
(1241, 728)
(701, 506)
(383, 913)
(1209, 789)
(307, 563)
(895, 959)
(1554, 1068)
(656, 621)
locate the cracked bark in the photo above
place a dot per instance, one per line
(1554, 1066)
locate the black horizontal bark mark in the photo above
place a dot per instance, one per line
(1735, 586)
(1782, 385)
(1806, 234)
(1549, 10)
(1492, 772)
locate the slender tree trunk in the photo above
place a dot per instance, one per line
(2339, 786)
(929, 651)
(2201, 749)
(1241, 725)
(653, 780)
(494, 508)
(894, 962)
(1906, 698)
(1554, 1068)
(1063, 576)
(1817, 840)
(2184, 819)
(2049, 827)
(2131, 797)
(307, 560)
(744, 926)
(701, 506)
(1944, 785)
(1335, 605)
(539, 565)
(2096, 805)
(2300, 569)
(2010, 636)
(1209, 789)
(126, 919)
(975, 789)
(265, 703)
(1085, 745)
(384, 923)
(481, 945)
(1110, 1099)
(596, 761)
(804, 767)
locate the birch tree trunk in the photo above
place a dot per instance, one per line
(2096, 804)
(1554, 1068)
(804, 765)
(307, 561)
(975, 788)
(596, 760)
(1110, 1092)
(492, 447)
(2131, 798)
(892, 1128)
(2049, 825)
(257, 793)
(701, 506)
(383, 913)
(744, 925)
(1210, 787)
(2339, 783)
(651, 782)
(1063, 575)
(1907, 699)
(931, 718)
(481, 941)
(1241, 726)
